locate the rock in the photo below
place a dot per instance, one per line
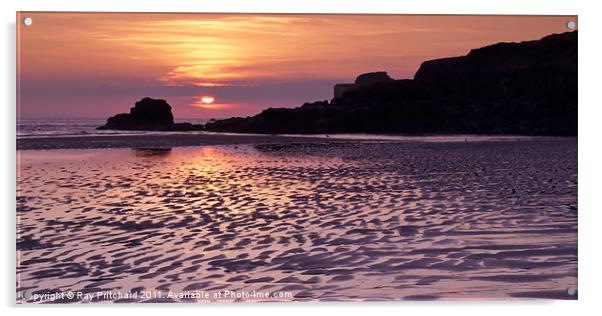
(341, 88)
(534, 69)
(151, 111)
(525, 88)
(363, 80)
(148, 114)
(368, 79)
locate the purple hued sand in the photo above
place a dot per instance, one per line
(312, 220)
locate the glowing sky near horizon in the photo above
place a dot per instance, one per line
(99, 64)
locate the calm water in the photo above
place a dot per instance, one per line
(33, 128)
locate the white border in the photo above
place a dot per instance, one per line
(589, 145)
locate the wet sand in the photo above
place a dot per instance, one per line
(169, 140)
(315, 221)
(159, 140)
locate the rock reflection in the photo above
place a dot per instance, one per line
(151, 152)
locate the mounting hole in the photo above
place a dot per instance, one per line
(571, 25)
(27, 295)
(571, 291)
(27, 21)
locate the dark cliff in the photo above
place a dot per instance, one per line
(363, 80)
(506, 88)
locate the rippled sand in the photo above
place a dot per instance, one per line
(337, 221)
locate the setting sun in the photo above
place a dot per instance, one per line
(206, 102)
(207, 99)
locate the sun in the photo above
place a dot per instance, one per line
(207, 102)
(207, 99)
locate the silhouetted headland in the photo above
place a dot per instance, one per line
(148, 115)
(507, 88)
(527, 88)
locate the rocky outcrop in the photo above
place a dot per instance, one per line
(363, 80)
(506, 88)
(371, 78)
(148, 114)
(341, 88)
(534, 69)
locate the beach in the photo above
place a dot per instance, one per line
(301, 218)
(174, 139)
(151, 140)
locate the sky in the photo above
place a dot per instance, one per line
(94, 65)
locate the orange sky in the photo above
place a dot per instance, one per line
(97, 64)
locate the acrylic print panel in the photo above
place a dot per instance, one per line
(287, 157)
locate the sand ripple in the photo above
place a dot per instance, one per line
(339, 221)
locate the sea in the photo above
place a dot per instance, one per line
(70, 127)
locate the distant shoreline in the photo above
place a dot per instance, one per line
(183, 139)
